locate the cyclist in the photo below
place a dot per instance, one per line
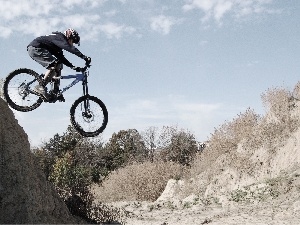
(48, 51)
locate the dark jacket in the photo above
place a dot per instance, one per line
(55, 43)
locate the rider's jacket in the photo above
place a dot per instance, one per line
(55, 43)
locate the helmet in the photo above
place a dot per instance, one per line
(72, 34)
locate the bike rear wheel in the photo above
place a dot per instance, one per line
(18, 90)
(89, 116)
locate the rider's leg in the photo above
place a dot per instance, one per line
(56, 77)
(48, 74)
(43, 57)
(46, 59)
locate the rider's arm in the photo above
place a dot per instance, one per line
(63, 44)
(63, 59)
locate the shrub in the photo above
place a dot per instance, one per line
(143, 182)
(277, 103)
(72, 183)
(226, 140)
(70, 164)
(249, 131)
(279, 121)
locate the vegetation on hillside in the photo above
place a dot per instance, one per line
(130, 166)
(136, 165)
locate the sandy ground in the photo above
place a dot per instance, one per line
(276, 202)
(283, 210)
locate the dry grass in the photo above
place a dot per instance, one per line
(225, 140)
(279, 122)
(249, 131)
(142, 182)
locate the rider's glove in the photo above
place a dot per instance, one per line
(76, 68)
(87, 60)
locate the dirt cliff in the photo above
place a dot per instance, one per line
(25, 195)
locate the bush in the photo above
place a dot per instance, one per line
(277, 103)
(73, 184)
(225, 140)
(141, 182)
(70, 164)
(278, 123)
(252, 131)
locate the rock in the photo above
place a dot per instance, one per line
(171, 191)
(25, 194)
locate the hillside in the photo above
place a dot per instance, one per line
(25, 195)
(249, 173)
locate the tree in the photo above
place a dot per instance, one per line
(124, 147)
(55, 148)
(151, 140)
(60, 144)
(182, 148)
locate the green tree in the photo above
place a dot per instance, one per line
(124, 147)
(181, 149)
(60, 144)
(72, 182)
(56, 147)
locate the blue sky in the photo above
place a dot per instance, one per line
(186, 63)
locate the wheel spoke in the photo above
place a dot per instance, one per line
(18, 90)
(89, 116)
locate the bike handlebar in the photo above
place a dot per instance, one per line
(83, 69)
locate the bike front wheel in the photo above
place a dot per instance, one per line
(18, 90)
(89, 116)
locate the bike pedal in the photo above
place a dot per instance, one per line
(61, 98)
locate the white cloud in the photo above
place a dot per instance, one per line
(91, 17)
(111, 13)
(82, 3)
(163, 23)
(5, 32)
(39, 17)
(217, 9)
(113, 30)
(13, 9)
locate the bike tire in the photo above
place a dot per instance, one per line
(17, 90)
(93, 126)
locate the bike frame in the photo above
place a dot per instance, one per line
(78, 77)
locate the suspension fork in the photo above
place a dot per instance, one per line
(85, 93)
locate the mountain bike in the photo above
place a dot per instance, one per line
(88, 114)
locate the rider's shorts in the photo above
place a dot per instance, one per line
(41, 55)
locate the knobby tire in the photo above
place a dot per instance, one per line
(9, 91)
(76, 114)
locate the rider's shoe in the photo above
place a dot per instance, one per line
(61, 98)
(42, 90)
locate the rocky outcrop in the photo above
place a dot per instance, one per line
(25, 195)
